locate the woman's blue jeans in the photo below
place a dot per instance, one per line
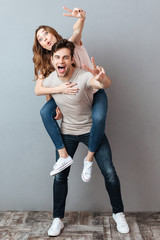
(99, 112)
(104, 160)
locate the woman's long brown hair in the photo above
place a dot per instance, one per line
(41, 56)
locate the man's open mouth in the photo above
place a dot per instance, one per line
(61, 69)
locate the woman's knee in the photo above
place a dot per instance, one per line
(43, 111)
(48, 110)
(99, 119)
(99, 110)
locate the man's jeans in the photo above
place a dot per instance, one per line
(104, 161)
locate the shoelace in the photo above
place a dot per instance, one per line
(88, 167)
(121, 219)
(55, 165)
(55, 222)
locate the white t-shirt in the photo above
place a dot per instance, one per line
(76, 109)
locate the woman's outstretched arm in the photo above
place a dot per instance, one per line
(78, 26)
(75, 38)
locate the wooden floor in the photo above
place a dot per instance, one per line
(78, 226)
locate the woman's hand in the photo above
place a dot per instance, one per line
(68, 88)
(76, 13)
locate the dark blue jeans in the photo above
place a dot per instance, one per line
(99, 112)
(104, 160)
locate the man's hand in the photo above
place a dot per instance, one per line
(68, 88)
(100, 79)
(101, 75)
(76, 13)
(58, 114)
(94, 71)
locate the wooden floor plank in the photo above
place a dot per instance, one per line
(106, 228)
(85, 218)
(30, 225)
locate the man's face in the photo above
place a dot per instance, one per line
(62, 62)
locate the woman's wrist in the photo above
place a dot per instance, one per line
(57, 89)
(82, 19)
(82, 16)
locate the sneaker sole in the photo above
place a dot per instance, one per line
(53, 173)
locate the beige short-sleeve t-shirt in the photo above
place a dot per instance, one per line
(76, 109)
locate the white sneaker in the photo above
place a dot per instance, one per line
(121, 222)
(87, 171)
(56, 227)
(61, 164)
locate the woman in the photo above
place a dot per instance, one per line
(45, 37)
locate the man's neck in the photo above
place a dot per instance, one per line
(69, 75)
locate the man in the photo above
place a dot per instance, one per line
(75, 128)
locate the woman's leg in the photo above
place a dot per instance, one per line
(47, 114)
(99, 112)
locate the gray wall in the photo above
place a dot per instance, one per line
(124, 37)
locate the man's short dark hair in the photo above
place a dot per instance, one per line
(63, 43)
